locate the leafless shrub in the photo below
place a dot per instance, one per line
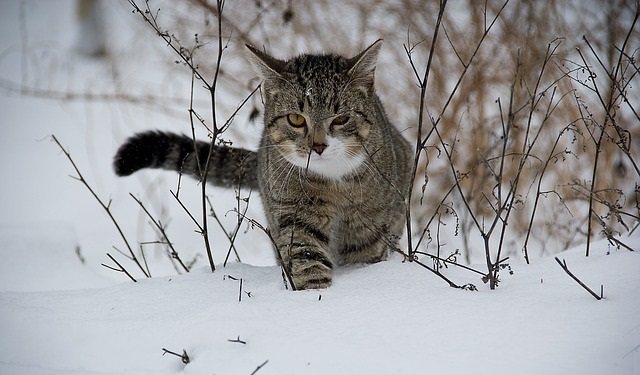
(470, 123)
(524, 114)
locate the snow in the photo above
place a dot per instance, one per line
(391, 317)
(61, 312)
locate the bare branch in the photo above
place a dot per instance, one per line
(103, 205)
(183, 357)
(563, 264)
(119, 269)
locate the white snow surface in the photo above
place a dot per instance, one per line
(387, 318)
(61, 312)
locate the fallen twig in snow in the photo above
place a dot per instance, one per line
(259, 367)
(563, 264)
(240, 290)
(238, 341)
(184, 357)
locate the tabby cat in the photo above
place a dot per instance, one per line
(333, 173)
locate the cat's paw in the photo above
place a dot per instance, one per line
(310, 270)
(304, 283)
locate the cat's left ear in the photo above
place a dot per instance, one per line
(266, 66)
(364, 64)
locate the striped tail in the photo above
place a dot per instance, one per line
(228, 167)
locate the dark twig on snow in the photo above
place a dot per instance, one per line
(563, 264)
(240, 291)
(238, 341)
(240, 287)
(184, 357)
(259, 367)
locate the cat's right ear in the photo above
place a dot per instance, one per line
(266, 67)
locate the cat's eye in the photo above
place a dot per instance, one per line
(296, 120)
(340, 120)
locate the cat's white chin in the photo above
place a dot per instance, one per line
(332, 168)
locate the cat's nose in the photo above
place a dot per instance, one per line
(319, 148)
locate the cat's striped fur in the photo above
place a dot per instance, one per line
(333, 173)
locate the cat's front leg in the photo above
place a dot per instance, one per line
(305, 255)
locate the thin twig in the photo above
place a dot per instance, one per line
(447, 261)
(149, 17)
(183, 357)
(187, 58)
(106, 207)
(259, 367)
(597, 145)
(563, 264)
(238, 340)
(160, 227)
(286, 272)
(232, 238)
(119, 269)
(416, 261)
(423, 92)
(187, 211)
(216, 133)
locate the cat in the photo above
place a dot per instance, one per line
(333, 173)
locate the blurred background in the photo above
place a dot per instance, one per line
(537, 97)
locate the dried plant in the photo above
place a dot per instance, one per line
(524, 114)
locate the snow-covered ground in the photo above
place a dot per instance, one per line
(61, 312)
(388, 318)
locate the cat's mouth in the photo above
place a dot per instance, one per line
(330, 165)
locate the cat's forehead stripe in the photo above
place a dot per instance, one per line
(318, 77)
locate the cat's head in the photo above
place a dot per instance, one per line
(319, 109)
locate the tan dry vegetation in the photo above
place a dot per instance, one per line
(521, 104)
(531, 54)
